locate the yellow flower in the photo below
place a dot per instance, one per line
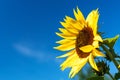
(81, 40)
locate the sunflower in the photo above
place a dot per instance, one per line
(80, 40)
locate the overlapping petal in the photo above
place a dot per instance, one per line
(79, 64)
(98, 38)
(69, 61)
(67, 54)
(67, 36)
(97, 53)
(79, 16)
(64, 41)
(92, 62)
(66, 47)
(92, 20)
(87, 48)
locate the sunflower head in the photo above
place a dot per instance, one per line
(81, 40)
(84, 37)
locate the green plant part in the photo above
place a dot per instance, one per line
(103, 68)
(110, 41)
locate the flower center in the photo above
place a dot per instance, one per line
(85, 37)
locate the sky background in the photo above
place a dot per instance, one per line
(27, 35)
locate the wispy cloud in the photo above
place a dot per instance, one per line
(39, 55)
(61, 79)
(29, 52)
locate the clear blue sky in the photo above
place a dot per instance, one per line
(27, 35)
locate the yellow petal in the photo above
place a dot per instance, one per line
(74, 23)
(77, 67)
(70, 24)
(92, 62)
(98, 38)
(69, 61)
(92, 20)
(78, 15)
(67, 54)
(87, 48)
(70, 27)
(66, 47)
(97, 53)
(77, 25)
(64, 31)
(74, 31)
(69, 19)
(71, 36)
(64, 41)
(95, 44)
(65, 25)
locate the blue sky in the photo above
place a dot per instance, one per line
(27, 35)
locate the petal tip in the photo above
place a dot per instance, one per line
(54, 47)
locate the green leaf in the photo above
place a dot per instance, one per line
(110, 41)
(117, 75)
(96, 78)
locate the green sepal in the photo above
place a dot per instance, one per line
(110, 41)
(96, 78)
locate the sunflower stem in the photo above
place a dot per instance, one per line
(111, 75)
(110, 55)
